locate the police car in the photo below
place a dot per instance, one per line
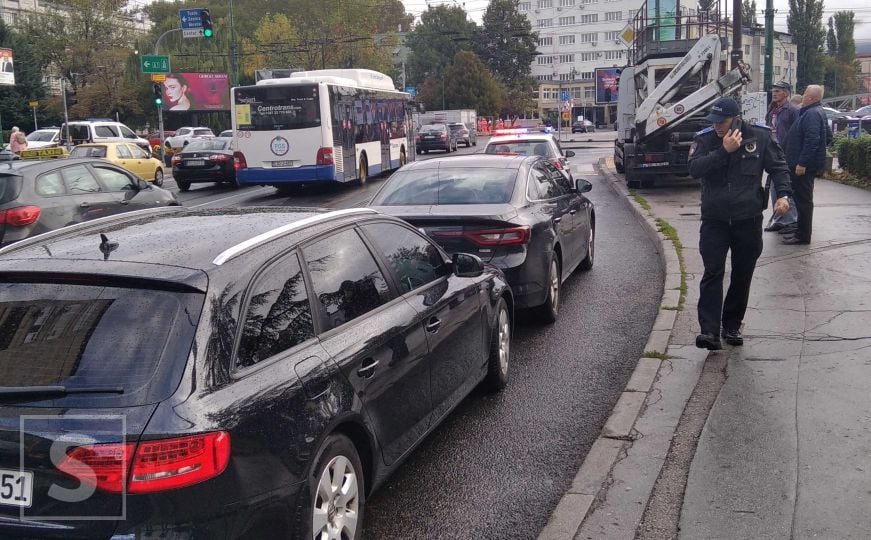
(522, 142)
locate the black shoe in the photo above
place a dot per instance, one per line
(733, 337)
(788, 229)
(774, 227)
(708, 341)
(795, 241)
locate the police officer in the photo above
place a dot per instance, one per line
(729, 158)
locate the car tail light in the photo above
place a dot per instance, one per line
(557, 163)
(239, 161)
(176, 159)
(443, 136)
(220, 158)
(417, 138)
(325, 156)
(150, 466)
(20, 216)
(509, 236)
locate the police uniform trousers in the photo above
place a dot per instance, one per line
(803, 193)
(716, 238)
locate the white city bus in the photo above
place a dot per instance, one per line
(332, 125)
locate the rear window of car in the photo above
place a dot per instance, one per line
(88, 151)
(456, 127)
(448, 186)
(10, 187)
(42, 136)
(521, 148)
(433, 127)
(209, 144)
(93, 336)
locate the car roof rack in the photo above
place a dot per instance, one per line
(251, 243)
(85, 225)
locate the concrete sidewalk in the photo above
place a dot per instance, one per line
(768, 440)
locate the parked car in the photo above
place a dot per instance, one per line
(43, 138)
(227, 133)
(517, 213)
(153, 139)
(464, 134)
(435, 137)
(41, 196)
(185, 135)
(129, 156)
(584, 126)
(861, 112)
(206, 160)
(529, 144)
(271, 366)
(101, 131)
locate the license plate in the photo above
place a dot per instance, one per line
(195, 162)
(16, 488)
(429, 136)
(288, 163)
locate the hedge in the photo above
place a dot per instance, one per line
(854, 155)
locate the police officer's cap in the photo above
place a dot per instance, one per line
(723, 108)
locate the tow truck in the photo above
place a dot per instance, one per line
(662, 103)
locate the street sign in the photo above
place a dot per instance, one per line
(33, 104)
(566, 116)
(191, 21)
(411, 90)
(154, 63)
(627, 35)
(564, 96)
(158, 77)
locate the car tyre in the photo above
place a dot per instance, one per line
(158, 177)
(182, 185)
(333, 499)
(587, 263)
(549, 311)
(500, 351)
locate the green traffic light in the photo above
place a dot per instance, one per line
(207, 32)
(158, 101)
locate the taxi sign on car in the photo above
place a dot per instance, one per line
(43, 153)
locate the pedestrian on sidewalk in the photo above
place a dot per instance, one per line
(806, 156)
(18, 141)
(781, 115)
(729, 158)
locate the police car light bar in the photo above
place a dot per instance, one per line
(513, 131)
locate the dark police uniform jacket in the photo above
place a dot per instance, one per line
(732, 183)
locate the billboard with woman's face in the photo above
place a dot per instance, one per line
(196, 92)
(607, 85)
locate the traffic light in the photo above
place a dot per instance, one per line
(208, 31)
(158, 94)
(72, 99)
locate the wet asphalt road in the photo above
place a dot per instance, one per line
(498, 465)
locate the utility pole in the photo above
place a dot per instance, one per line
(737, 48)
(63, 92)
(160, 106)
(234, 54)
(769, 45)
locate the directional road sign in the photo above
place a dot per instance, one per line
(191, 22)
(154, 63)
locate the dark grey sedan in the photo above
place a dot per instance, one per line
(41, 196)
(518, 213)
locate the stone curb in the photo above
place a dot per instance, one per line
(592, 477)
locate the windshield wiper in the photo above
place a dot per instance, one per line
(55, 391)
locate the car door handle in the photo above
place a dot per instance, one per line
(557, 220)
(125, 202)
(433, 325)
(368, 368)
(573, 211)
(85, 204)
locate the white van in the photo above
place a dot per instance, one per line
(96, 131)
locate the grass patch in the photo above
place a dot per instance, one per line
(640, 200)
(655, 354)
(671, 233)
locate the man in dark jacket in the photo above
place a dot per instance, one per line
(781, 115)
(806, 156)
(729, 158)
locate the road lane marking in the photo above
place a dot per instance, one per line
(259, 190)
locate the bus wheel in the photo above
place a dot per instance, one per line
(363, 175)
(402, 158)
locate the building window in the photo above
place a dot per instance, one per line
(544, 60)
(566, 3)
(588, 57)
(545, 23)
(566, 58)
(614, 16)
(566, 21)
(613, 55)
(544, 4)
(791, 56)
(588, 2)
(589, 37)
(589, 93)
(565, 76)
(543, 78)
(632, 13)
(589, 19)
(586, 75)
(524, 6)
(545, 41)
(612, 36)
(777, 70)
(567, 40)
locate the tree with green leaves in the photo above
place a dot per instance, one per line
(805, 20)
(831, 39)
(14, 108)
(845, 25)
(443, 31)
(468, 84)
(748, 13)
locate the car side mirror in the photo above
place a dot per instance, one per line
(467, 265)
(583, 186)
(569, 154)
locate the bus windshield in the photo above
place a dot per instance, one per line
(272, 108)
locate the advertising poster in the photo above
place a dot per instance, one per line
(196, 92)
(607, 85)
(7, 69)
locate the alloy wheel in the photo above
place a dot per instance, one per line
(504, 341)
(337, 502)
(554, 285)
